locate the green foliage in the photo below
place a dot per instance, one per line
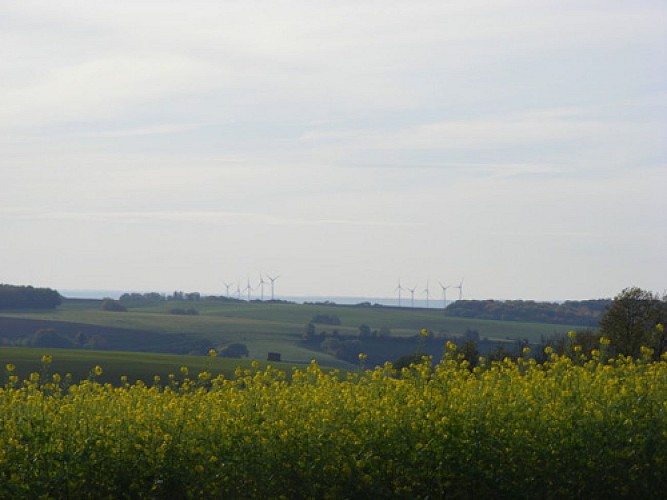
(236, 350)
(48, 337)
(631, 319)
(408, 360)
(508, 429)
(326, 319)
(190, 311)
(28, 297)
(113, 306)
(586, 312)
(364, 331)
(309, 332)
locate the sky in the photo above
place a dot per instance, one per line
(518, 146)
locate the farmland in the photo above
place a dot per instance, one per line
(138, 418)
(262, 326)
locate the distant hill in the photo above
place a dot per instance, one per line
(584, 312)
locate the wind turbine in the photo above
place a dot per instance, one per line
(399, 288)
(272, 280)
(427, 293)
(227, 285)
(261, 286)
(460, 287)
(248, 289)
(238, 290)
(412, 294)
(444, 294)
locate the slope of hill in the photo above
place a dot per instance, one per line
(262, 326)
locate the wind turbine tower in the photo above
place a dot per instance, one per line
(426, 292)
(227, 285)
(238, 290)
(261, 287)
(444, 295)
(272, 280)
(248, 289)
(412, 294)
(400, 289)
(460, 287)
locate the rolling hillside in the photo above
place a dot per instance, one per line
(262, 326)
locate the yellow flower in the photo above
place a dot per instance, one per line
(184, 371)
(362, 356)
(659, 328)
(424, 332)
(46, 359)
(212, 353)
(98, 370)
(10, 367)
(571, 334)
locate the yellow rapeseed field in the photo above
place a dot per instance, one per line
(573, 427)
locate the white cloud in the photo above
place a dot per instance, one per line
(104, 89)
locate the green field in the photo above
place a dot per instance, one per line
(262, 326)
(116, 364)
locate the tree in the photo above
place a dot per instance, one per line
(326, 319)
(113, 305)
(364, 331)
(631, 319)
(235, 351)
(470, 353)
(48, 337)
(384, 332)
(28, 297)
(309, 332)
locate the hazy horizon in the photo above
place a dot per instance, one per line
(435, 302)
(518, 145)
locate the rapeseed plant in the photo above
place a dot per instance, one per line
(584, 427)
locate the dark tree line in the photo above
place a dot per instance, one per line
(584, 312)
(28, 297)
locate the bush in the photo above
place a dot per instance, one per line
(235, 351)
(326, 319)
(191, 311)
(113, 305)
(48, 337)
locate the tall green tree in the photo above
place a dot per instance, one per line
(630, 321)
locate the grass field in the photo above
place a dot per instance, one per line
(115, 364)
(262, 326)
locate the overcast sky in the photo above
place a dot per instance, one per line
(163, 145)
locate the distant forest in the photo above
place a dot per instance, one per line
(28, 297)
(583, 312)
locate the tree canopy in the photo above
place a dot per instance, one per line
(631, 321)
(28, 297)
